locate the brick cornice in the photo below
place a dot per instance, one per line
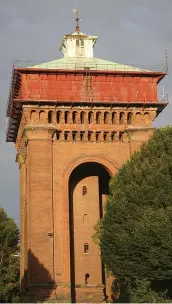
(39, 132)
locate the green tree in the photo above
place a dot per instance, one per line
(9, 261)
(135, 235)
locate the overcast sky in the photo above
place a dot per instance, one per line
(129, 31)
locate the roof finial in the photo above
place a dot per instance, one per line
(77, 19)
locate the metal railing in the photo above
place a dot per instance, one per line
(90, 65)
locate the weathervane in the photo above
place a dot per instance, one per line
(77, 19)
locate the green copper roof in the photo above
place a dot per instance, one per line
(80, 63)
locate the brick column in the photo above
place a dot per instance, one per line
(40, 229)
(23, 223)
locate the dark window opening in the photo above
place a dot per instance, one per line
(90, 117)
(89, 136)
(113, 136)
(74, 117)
(66, 135)
(121, 118)
(81, 136)
(50, 117)
(129, 118)
(98, 118)
(86, 248)
(87, 276)
(105, 136)
(74, 136)
(121, 136)
(84, 190)
(58, 117)
(58, 135)
(66, 117)
(114, 116)
(97, 136)
(82, 117)
(106, 118)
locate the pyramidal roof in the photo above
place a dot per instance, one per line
(77, 48)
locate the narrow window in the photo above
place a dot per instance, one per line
(129, 118)
(42, 116)
(50, 117)
(86, 248)
(121, 136)
(138, 117)
(90, 117)
(121, 118)
(98, 118)
(81, 136)
(84, 190)
(33, 116)
(87, 276)
(89, 136)
(113, 136)
(74, 136)
(82, 117)
(74, 117)
(146, 118)
(58, 116)
(66, 117)
(97, 136)
(105, 136)
(66, 135)
(106, 118)
(57, 135)
(114, 118)
(85, 219)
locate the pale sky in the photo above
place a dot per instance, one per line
(129, 31)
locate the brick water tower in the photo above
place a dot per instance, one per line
(74, 122)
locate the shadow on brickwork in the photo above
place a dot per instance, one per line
(37, 285)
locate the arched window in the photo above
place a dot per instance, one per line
(98, 118)
(138, 117)
(66, 117)
(86, 248)
(42, 116)
(33, 116)
(58, 116)
(122, 118)
(113, 135)
(66, 135)
(121, 136)
(82, 117)
(129, 118)
(74, 117)
(84, 190)
(90, 136)
(50, 117)
(85, 219)
(114, 118)
(87, 276)
(106, 118)
(146, 118)
(90, 117)
(74, 133)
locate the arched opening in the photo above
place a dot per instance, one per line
(122, 118)
(88, 188)
(74, 117)
(66, 117)
(90, 117)
(82, 117)
(42, 117)
(58, 116)
(146, 118)
(138, 118)
(98, 118)
(129, 118)
(114, 118)
(33, 117)
(106, 118)
(50, 116)
(87, 278)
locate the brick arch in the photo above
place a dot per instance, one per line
(110, 167)
(108, 164)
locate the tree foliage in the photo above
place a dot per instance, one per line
(135, 235)
(9, 262)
